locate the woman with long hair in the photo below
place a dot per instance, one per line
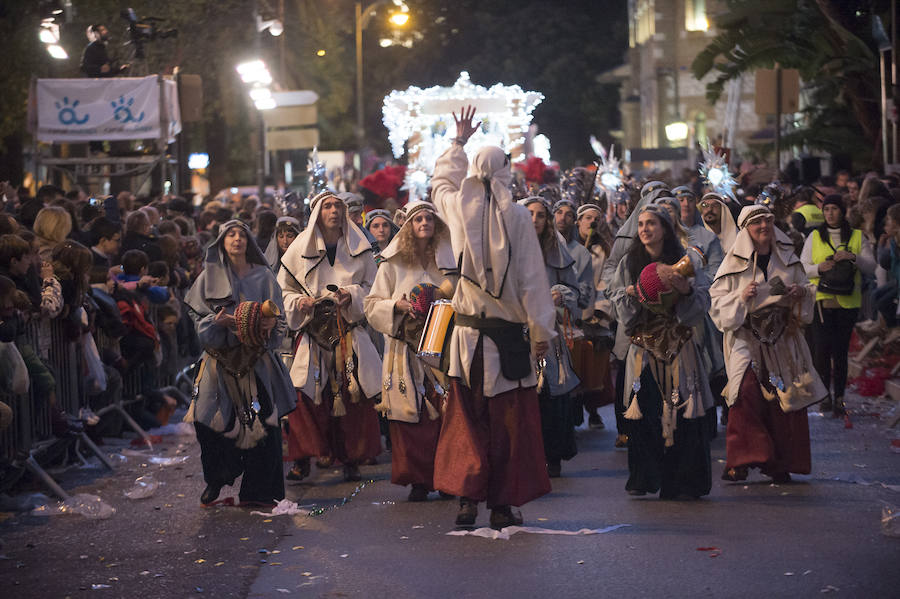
(557, 379)
(666, 391)
(831, 244)
(420, 254)
(761, 299)
(242, 388)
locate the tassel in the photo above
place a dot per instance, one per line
(191, 413)
(433, 414)
(338, 409)
(668, 424)
(539, 367)
(634, 410)
(250, 436)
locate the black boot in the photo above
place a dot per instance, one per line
(210, 494)
(418, 493)
(468, 512)
(503, 516)
(826, 404)
(554, 468)
(351, 473)
(839, 409)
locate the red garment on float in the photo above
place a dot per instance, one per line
(491, 448)
(760, 434)
(314, 432)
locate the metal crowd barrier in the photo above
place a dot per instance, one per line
(30, 436)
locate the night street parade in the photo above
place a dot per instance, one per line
(414, 298)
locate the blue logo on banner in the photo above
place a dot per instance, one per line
(67, 115)
(122, 111)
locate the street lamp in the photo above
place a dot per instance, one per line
(363, 15)
(256, 74)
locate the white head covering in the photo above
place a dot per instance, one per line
(484, 197)
(738, 257)
(308, 249)
(443, 253)
(729, 228)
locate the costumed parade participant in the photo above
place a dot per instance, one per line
(625, 238)
(287, 228)
(709, 339)
(556, 376)
(761, 298)
(380, 226)
(717, 218)
(326, 273)
(659, 295)
(591, 352)
(415, 270)
(490, 447)
(836, 248)
(242, 388)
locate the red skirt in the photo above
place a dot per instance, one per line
(760, 434)
(413, 445)
(490, 448)
(314, 432)
(593, 368)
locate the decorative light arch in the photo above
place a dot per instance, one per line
(421, 119)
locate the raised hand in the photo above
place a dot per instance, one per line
(464, 127)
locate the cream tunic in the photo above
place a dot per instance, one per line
(394, 280)
(525, 296)
(729, 312)
(308, 275)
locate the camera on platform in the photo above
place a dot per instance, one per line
(145, 29)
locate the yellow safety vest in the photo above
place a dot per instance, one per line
(821, 250)
(812, 214)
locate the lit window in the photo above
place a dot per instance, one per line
(643, 21)
(695, 15)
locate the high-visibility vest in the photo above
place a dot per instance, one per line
(821, 250)
(812, 214)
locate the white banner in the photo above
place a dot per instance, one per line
(117, 108)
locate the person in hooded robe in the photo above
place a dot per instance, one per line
(709, 339)
(761, 300)
(242, 388)
(420, 255)
(556, 375)
(625, 237)
(717, 218)
(381, 227)
(592, 351)
(490, 448)
(667, 393)
(325, 276)
(287, 228)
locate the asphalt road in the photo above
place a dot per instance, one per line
(818, 535)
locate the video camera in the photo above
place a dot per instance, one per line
(144, 30)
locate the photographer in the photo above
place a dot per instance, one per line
(95, 61)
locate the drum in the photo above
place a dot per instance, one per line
(436, 335)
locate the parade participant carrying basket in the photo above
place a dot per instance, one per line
(418, 269)
(241, 388)
(659, 294)
(326, 273)
(761, 299)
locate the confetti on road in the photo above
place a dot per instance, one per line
(506, 533)
(296, 547)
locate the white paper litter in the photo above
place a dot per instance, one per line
(285, 507)
(850, 477)
(506, 533)
(89, 506)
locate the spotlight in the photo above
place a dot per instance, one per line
(399, 18)
(57, 52)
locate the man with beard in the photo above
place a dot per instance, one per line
(95, 61)
(718, 219)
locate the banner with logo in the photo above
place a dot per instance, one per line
(118, 108)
